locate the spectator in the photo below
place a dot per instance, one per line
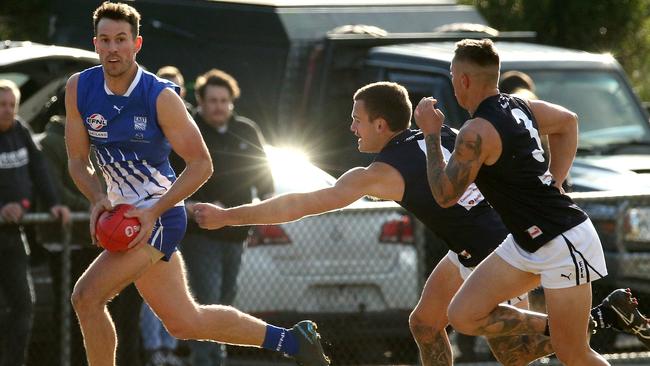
(236, 147)
(517, 83)
(173, 74)
(82, 252)
(21, 176)
(158, 344)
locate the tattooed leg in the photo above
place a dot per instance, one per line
(435, 349)
(475, 309)
(523, 349)
(506, 320)
(520, 350)
(429, 318)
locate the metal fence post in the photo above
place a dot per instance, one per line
(65, 294)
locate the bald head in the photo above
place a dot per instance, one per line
(478, 58)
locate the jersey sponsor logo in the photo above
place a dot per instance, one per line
(534, 231)
(98, 134)
(140, 123)
(471, 197)
(96, 121)
(14, 159)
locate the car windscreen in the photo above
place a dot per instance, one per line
(607, 109)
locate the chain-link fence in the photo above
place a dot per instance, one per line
(357, 272)
(56, 262)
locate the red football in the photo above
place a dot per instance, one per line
(114, 231)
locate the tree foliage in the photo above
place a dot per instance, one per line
(620, 27)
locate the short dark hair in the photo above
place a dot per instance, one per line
(389, 101)
(513, 80)
(217, 77)
(170, 72)
(480, 52)
(118, 11)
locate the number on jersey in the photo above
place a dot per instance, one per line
(520, 117)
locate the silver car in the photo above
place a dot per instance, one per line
(355, 270)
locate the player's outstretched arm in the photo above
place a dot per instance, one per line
(351, 186)
(561, 126)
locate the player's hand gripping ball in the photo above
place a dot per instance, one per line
(114, 231)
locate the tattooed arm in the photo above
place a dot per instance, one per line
(477, 143)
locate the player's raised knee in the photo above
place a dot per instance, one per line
(460, 318)
(415, 321)
(83, 298)
(422, 319)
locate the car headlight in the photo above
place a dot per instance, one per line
(637, 224)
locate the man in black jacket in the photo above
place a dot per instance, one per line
(240, 168)
(22, 173)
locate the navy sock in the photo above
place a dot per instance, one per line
(281, 340)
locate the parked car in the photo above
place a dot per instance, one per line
(355, 270)
(40, 71)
